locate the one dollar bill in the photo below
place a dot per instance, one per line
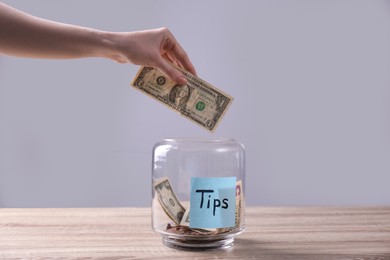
(198, 101)
(168, 200)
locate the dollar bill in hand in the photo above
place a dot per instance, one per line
(198, 101)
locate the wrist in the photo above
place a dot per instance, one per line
(109, 46)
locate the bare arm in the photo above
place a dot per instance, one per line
(27, 36)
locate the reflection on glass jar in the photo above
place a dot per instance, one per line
(198, 188)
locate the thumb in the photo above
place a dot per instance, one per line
(171, 72)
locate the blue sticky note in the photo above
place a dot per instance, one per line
(213, 202)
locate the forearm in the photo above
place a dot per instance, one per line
(27, 36)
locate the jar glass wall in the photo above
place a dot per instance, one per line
(198, 192)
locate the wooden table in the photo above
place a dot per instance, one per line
(125, 233)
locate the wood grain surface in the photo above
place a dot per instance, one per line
(125, 233)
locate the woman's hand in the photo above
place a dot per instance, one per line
(155, 48)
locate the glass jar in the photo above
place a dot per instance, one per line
(198, 188)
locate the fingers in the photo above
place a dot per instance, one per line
(171, 59)
(177, 53)
(159, 48)
(171, 72)
(182, 58)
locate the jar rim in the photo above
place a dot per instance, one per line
(199, 140)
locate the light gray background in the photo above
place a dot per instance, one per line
(311, 84)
